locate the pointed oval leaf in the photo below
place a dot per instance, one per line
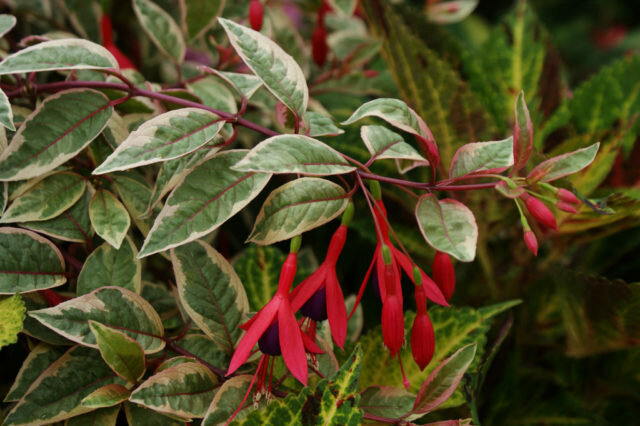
(47, 199)
(6, 113)
(296, 207)
(184, 390)
(522, 134)
(113, 306)
(142, 416)
(165, 137)
(210, 292)
(294, 154)
(194, 210)
(107, 266)
(278, 70)
(12, 311)
(345, 8)
(320, 125)
(382, 143)
(109, 217)
(42, 268)
(106, 396)
(7, 22)
(443, 380)
(38, 360)
(448, 12)
(57, 393)
(199, 15)
(56, 131)
(386, 401)
(134, 191)
(245, 84)
(259, 269)
(161, 28)
(563, 165)
(482, 157)
(107, 416)
(448, 226)
(123, 354)
(215, 94)
(226, 400)
(393, 111)
(65, 54)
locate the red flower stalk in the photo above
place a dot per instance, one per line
(567, 196)
(423, 339)
(444, 274)
(256, 14)
(531, 241)
(539, 211)
(53, 298)
(106, 31)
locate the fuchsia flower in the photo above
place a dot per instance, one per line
(539, 211)
(531, 241)
(423, 339)
(567, 197)
(444, 274)
(256, 14)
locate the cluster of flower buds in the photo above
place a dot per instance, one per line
(319, 45)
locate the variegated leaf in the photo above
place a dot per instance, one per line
(109, 217)
(113, 306)
(161, 28)
(320, 125)
(4, 196)
(6, 113)
(344, 7)
(386, 401)
(194, 210)
(210, 292)
(107, 266)
(394, 112)
(57, 393)
(107, 416)
(142, 416)
(563, 165)
(449, 12)
(123, 354)
(33, 328)
(12, 311)
(38, 360)
(294, 154)
(259, 269)
(199, 15)
(165, 137)
(278, 70)
(56, 131)
(204, 347)
(448, 226)
(65, 54)
(244, 84)
(7, 22)
(134, 191)
(106, 396)
(482, 157)
(382, 143)
(214, 94)
(47, 199)
(42, 268)
(183, 390)
(296, 207)
(226, 400)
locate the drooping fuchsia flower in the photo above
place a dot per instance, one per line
(319, 296)
(423, 339)
(106, 31)
(444, 274)
(275, 328)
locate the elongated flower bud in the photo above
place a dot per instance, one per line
(319, 46)
(423, 340)
(566, 207)
(444, 274)
(256, 14)
(392, 324)
(567, 196)
(531, 241)
(539, 211)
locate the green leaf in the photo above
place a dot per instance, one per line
(204, 348)
(38, 360)
(194, 210)
(278, 70)
(386, 401)
(214, 94)
(107, 266)
(85, 17)
(123, 354)
(57, 393)
(42, 268)
(7, 22)
(296, 207)
(563, 165)
(172, 362)
(443, 380)
(283, 412)
(142, 416)
(65, 54)
(162, 300)
(344, 7)
(56, 131)
(111, 306)
(259, 270)
(161, 28)
(6, 113)
(106, 396)
(244, 84)
(294, 154)
(210, 292)
(102, 417)
(183, 390)
(382, 143)
(47, 199)
(199, 15)
(12, 311)
(165, 137)
(320, 125)
(522, 134)
(226, 400)
(135, 193)
(33, 328)
(394, 112)
(448, 226)
(449, 12)
(482, 157)
(109, 217)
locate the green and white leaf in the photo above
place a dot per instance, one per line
(7, 22)
(123, 354)
(135, 193)
(65, 54)
(344, 7)
(107, 416)
(42, 268)
(12, 312)
(199, 15)
(448, 226)
(244, 84)
(449, 12)
(294, 154)
(204, 347)
(211, 292)
(214, 94)
(57, 393)
(47, 199)
(482, 157)
(320, 125)
(386, 401)
(142, 416)
(184, 390)
(107, 266)
(61, 126)
(35, 300)
(394, 112)
(161, 28)
(297, 207)
(112, 306)
(38, 360)
(259, 269)
(6, 113)
(106, 396)
(165, 137)
(382, 143)
(278, 70)
(194, 210)
(564, 165)
(226, 400)
(109, 217)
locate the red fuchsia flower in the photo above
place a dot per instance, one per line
(256, 14)
(444, 274)
(423, 339)
(106, 30)
(567, 197)
(566, 207)
(531, 241)
(539, 211)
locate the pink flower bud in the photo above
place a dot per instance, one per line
(444, 274)
(256, 14)
(392, 324)
(567, 196)
(539, 211)
(319, 46)
(423, 340)
(531, 242)
(566, 207)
